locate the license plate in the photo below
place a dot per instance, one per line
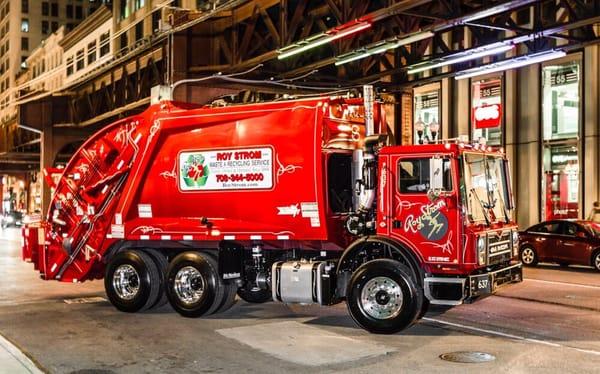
(481, 284)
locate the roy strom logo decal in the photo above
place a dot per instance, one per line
(193, 170)
(226, 169)
(431, 223)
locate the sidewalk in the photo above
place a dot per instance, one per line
(13, 361)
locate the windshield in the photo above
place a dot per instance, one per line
(486, 188)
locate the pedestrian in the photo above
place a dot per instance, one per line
(595, 212)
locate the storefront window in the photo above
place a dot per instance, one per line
(561, 100)
(561, 87)
(561, 179)
(487, 110)
(426, 126)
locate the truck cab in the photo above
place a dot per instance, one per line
(452, 205)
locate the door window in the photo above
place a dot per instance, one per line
(418, 175)
(546, 228)
(571, 229)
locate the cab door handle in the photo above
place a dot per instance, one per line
(396, 224)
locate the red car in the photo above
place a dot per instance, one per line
(567, 242)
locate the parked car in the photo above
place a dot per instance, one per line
(567, 242)
(13, 218)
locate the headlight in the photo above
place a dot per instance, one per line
(9, 219)
(515, 243)
(481, 250)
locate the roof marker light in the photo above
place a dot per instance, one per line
(463, 56)
(512, 63)
(320, 39)
(381, 47)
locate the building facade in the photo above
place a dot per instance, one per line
(23, 26)
(45, 69)
(88, 46)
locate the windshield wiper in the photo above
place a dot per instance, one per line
(483, 206)
(488, 176)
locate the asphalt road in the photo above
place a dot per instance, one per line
(548, 324)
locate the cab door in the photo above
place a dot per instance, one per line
(424, 202)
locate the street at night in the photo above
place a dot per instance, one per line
(269, 186)
(548, 323)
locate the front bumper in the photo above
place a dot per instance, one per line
(455, 291)
(488, 283)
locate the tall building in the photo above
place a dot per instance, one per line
(24, 24)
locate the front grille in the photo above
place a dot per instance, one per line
(499, 244)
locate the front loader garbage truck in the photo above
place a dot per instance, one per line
(289, 201)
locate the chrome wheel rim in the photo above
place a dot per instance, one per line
(189, 285)
(381, 298)
(126, 282)
(597, 262)
(527, 256)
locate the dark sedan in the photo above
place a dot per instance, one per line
(567, 242)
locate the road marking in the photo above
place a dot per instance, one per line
(510, 336)
(17, 357)
(550, 302)
(563, 283)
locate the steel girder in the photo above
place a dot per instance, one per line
(254, 31)
(118, 89)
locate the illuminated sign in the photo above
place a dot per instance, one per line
(487, 116)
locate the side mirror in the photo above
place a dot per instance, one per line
(581, 234)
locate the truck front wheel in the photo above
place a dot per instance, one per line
(383, 297)
(132, 281)
(193, 284)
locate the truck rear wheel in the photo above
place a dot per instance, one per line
(383, 297)
(194, 287)
(161, 262)
(228, 298)
(229, 294)
(132, 281)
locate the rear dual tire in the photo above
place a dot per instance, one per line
(133, 281)
(194, 287)
(139, 280)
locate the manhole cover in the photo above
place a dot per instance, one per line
(468, 357)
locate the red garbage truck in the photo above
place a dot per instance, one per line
(297, 201)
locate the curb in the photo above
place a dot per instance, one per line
(19, 356)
